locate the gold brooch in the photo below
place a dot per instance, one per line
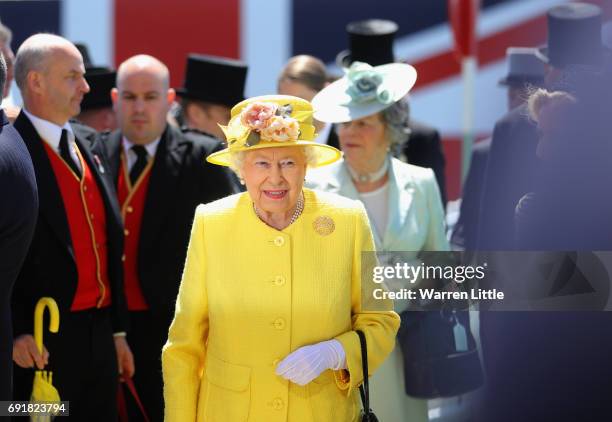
(324, 225)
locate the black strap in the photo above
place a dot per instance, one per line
(364, 389)
(140, 164)
(64, 151)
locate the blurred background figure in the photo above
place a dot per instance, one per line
(211, 87)
(17, 222)
(8, 105)
(525, 73)
(97, 106)
(574, 40)
(371, 41)
(304, 76)
(553, 365)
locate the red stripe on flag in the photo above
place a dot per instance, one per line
(529, 33)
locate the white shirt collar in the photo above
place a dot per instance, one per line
(151, 148)
(48, 131)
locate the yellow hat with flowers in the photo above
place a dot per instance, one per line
(272, 121)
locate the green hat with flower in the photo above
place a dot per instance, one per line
(364, 90)
(272, 121)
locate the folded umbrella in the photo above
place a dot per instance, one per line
(42, 388)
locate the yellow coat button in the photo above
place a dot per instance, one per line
(279, 241)
(279, 280)
(279, 323)
(277, 404)
(130, 209)
(123, 258)
(126, 232)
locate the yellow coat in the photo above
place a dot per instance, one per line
(250, 295)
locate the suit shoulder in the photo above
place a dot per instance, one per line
(421, 128)
(417, 173)
(201, 140)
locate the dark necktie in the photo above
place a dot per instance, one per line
(140, 164)
(64, 151)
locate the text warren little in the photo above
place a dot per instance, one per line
(433, 294)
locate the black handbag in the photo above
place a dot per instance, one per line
(440, 354)
(367, 415)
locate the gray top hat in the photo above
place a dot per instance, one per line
(574, 36)
(524, 67)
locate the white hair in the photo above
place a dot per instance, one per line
(237, 159)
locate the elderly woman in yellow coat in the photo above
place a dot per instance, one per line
(272, 293)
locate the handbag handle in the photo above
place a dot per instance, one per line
(364, 389)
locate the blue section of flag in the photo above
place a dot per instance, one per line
(27, 17)
(319, 25)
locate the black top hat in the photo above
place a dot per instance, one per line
(214, 80)
(574, 36)
(100, 80)
(370, 41)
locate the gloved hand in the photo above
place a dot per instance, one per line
(307, 362)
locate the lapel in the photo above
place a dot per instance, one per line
(51, 206)
(401, 192)
(94, 162)
(162, 185)
(112, 146)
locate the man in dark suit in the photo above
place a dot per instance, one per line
(371, 41)
(161, 176)
(525, 72)
(17, 222)
(75, 255)
(97, 107)
(212, 86)
(547, 365)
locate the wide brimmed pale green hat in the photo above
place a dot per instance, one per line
(363, 91)
(272, 121)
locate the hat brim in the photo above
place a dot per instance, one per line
(326, 154)
(542, 54)
(334, 105)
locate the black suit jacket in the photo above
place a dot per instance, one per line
(180, 180)
(17, 221)
(423, 148)
(511, 170)
(50, 268)
(465, 232)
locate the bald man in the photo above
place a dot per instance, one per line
(75, 255)
(161, 176)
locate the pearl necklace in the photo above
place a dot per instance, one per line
(369, 177)
(298, 210)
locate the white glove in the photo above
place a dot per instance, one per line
(307, 362)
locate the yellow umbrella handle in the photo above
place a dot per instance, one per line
(45, 302)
